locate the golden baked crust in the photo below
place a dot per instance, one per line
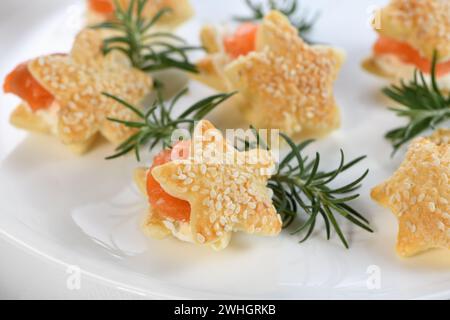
(284, 84)
(154, 227)
(371, 66)
(211, 72)
(224, 197)
(22, 117)
(211, 39)
(288, 80)
(424, 24)
(441, 137)
(211, 68)
(419, 195)
(181, 11)
(77, 82)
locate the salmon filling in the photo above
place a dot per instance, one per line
(409, 55)
(242, 42)
(22, 83)
(103, 7)
(166, 206)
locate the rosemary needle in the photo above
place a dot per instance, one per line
(301, 191)
(157, 124)
(147, 50)
(425, 106)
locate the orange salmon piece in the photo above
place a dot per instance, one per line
(105, 7)
(409, 55)
(164, 204)
(21, 83)
(242, 42)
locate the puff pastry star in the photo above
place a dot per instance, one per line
(419, 195)
(284, 84)
(226, 189)
(77, 82)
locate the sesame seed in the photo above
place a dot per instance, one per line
(200, 238)
(412, 227)
(432, 206)
(421, 197)
(207, 202)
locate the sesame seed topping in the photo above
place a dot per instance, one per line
(200, 238)
(424, 175)
(412, 227)
(432, 206)
(77, 82)
(288, 79)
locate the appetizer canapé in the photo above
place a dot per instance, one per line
(62, 94)
(410, 31)
(205, 177)
(419, 195)
(283, 82)
(203, 190)
(180, 11)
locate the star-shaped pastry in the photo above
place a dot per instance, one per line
(419, 195)
(226, 189)
(77, 82)
(284, 83)
(424, 24)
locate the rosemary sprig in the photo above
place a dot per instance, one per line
(425, 106)
(147, 50)
(157, 124)
(300, 188)
(304, 23)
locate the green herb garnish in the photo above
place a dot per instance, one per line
(147, 50)
(302, 190)
(157, 124)
(424, 105)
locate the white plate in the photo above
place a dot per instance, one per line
(85, 211)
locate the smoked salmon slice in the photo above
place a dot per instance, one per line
(164, 204)
(22, 83)
(409, 55)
